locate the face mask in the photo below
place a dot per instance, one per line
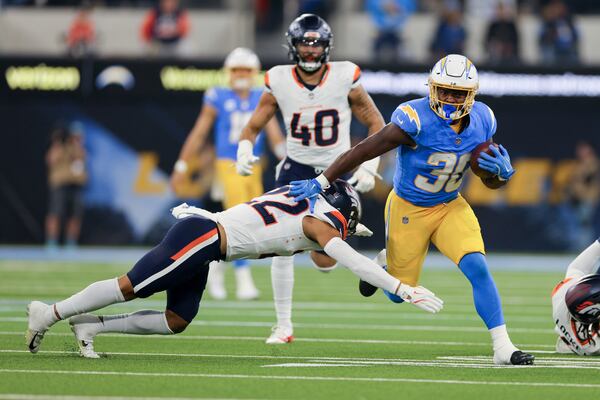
(241, 83)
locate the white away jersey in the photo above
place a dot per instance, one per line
(567, 328)
(317, 121)
(271, 225)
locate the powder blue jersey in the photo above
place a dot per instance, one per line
(431, 173)
(233, 113)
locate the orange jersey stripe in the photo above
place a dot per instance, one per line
(559, 286)
(341, 218)
(194, 243)
(267, 82)
(356, 75)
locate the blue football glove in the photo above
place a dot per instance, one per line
(306, 189)
(499, 164)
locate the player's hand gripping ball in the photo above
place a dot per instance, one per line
(477, 170)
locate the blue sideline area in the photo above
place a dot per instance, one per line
(129, 255)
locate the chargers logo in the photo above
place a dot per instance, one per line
(115, 75)
(412, 115)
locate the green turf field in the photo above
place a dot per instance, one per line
(347, 347)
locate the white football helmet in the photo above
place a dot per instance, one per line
(241, 57)
(456, 72)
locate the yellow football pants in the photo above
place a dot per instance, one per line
(452, 227)
(238, 189)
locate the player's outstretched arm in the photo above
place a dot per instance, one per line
(367, 270)
(264, 112)
(388, 138)
(193, 143)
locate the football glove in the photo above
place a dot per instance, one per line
(420, 297)
(362, 231)
(499, 164)
(364, 177)
(245, 158)
(306, 189)
(184, 210)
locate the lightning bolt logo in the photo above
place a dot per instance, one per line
(412, 115)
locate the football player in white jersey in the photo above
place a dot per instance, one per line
(576, 305)
(317, 99)
(272, 224)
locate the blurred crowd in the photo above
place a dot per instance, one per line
(166, 25)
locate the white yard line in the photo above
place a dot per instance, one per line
(301, 378)
(366, 326)
(308, 340)
(16, 396)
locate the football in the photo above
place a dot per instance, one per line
(482, 147)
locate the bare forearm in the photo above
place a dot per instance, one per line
(349, 160)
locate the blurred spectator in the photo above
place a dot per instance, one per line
(486, 10)
(81, 37)
(583, 193)
(66, 177)
(559, 37)
(389, 17)
(502, 38)
(451, 34)
(164, 27)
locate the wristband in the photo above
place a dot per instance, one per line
(324, 182)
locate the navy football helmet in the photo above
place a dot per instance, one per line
(583, 300)
(342, 196)
(312, 30)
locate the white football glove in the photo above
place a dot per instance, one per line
(420, 297)
(184, 210)
(362, 231)
(363, 179)
(245, 158)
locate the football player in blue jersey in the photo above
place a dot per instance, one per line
(434, 137)
(227, 109)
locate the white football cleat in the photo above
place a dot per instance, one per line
(84, 327)
(216, 280)
(37, 325)
(246, 290)
(280, 335)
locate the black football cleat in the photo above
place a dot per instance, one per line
(366, 289)
(521, 358)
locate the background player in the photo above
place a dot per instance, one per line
(576, 305)
(435, 136)
(228, 109)
(317, 99)
(268, 225)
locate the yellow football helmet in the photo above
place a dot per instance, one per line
(455, 72)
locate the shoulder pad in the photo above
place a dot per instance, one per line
(407, 118)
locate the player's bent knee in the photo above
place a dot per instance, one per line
(175, 322)
(474, 266)
(126, 288)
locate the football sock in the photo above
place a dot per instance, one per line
(586, 262)
(95, 296)
(500, 340)
(240, 264)
(485, 293)
(282, 279)
(144, 322)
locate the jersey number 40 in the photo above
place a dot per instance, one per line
(305, 134)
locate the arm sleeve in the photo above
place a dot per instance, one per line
(585, 263)
(211, 96)
(361, 266)
(407, 119)
(492, 124)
